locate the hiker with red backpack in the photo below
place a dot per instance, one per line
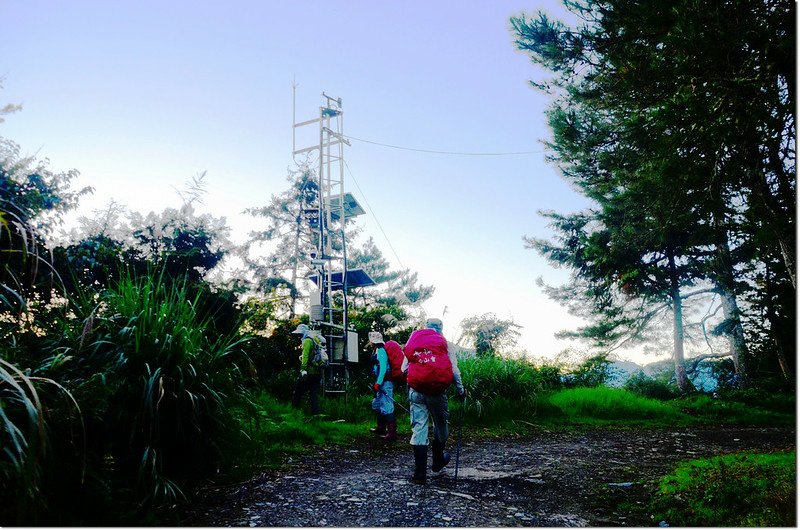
(432, 368)
(383, 404)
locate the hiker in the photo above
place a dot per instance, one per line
(383, 404)
(432, 368)
(309, 372)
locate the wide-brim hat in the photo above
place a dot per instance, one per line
(434, 323)
(301, 329)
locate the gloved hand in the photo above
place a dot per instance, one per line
(376, 387)
(462, 395)
(303, 373)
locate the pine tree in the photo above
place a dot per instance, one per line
(685, 110)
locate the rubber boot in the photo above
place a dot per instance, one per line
(420, 464)
(381, 428)
(391, 429)
(440, 456)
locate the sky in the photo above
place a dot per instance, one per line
(140, 96)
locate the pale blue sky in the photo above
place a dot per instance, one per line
(140, 96)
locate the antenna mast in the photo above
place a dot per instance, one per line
(331, 277)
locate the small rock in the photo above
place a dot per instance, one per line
(663, 524)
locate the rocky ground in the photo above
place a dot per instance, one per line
(588, 478)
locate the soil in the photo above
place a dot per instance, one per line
(600, 477)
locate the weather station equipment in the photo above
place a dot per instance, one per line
(328, 261)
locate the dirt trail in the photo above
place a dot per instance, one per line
(547, 479)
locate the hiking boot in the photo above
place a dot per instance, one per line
(440, 456)
(420, 464)
(380, 430)
(391, 431)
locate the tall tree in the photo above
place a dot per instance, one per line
(284, 244)
(695, 99)
(393, 304)
(489, 334)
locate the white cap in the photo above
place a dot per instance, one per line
(375, 337)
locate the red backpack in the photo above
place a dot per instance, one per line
(429, 367)
(395, 353)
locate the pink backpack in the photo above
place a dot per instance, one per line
(429, 368)
(395, 353)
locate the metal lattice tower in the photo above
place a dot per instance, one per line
(328, 301)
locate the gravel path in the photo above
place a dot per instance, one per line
(551, 479)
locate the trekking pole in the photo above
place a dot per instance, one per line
(382, 391)
(458, 445)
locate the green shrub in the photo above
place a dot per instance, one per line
(592, 372)
(765, 399)
(650, 387)
(729, 411)
(751, 490)
(724, 372)
(281, 384)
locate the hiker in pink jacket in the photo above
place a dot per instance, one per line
(432, 368)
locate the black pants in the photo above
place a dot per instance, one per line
(308, 383)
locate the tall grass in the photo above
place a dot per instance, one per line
(28, 402)
(153, 385)
(170, 383)
(504, 388)
(23, 434)
(604, 403)
(271, 430)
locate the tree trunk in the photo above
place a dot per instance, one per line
(782, 362)
(684, 385)
(787, 253)
(775, 328)
(774, 211)
(730, 308)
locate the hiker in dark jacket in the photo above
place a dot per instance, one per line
(309, 377)
(432, 368)
(383, 404)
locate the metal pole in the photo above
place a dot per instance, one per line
(395, 402)
(460, 425)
